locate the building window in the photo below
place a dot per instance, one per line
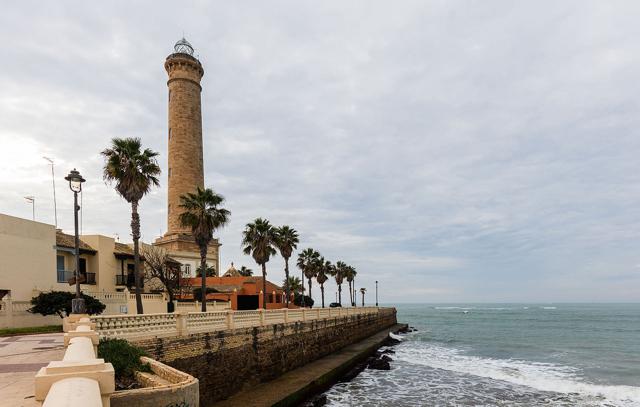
(169, 133)
(59, 262)
(187, 269)
(169, 172)
(169, 95)
(62, 276)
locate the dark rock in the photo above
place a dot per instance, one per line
(355, 371)
(379, 364)
(390, 341)
(388, 351)
(386, 358)
(317, 401)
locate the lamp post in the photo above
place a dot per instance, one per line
(53, 179)
(376, 293)
(75, 184)
(32, 200)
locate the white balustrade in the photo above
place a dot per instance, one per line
(185, 323)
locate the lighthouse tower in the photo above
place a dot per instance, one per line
(185, 170)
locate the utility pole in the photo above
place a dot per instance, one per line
(53, 180)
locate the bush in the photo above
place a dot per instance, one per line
(124, 357)
(308, 301)
(59, 303)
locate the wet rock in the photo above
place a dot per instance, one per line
(379, 364)
(386, 358)
(388, 352)
(317, 401)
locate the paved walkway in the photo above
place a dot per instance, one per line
(307, 378)
(20, 358)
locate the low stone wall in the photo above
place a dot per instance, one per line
(229, 361)
(165, 387)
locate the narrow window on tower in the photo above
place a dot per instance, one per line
(169, 133)
(169, 172)
(169, 96)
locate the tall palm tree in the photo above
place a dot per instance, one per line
(325, 268)
(362, 291)
(134, 172)
(339, 274)
(307, 264)
(259, 240)
(204, 214)
(350, 276)
(287, 241)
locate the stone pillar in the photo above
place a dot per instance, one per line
(181, 323)
(230, 323)
(7, 305)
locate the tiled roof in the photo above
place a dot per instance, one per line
(65, 240)
(258, 280)
(122, 249)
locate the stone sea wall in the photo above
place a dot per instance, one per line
(229, 361)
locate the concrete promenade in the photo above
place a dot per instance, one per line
(20, 358)
(295, 386)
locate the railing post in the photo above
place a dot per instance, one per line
(181, 323)
(8, 310)
(286, 315)
(318, 313)
(304, 314)
(261, 317)
(230, 322)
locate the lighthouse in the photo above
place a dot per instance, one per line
(185, 169)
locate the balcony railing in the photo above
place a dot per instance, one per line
(65, 276)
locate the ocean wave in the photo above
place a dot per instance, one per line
(549, 307)
(541, 376)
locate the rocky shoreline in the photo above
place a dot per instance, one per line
(379, 360)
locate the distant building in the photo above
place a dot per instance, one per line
(243, 293)
(35, 257)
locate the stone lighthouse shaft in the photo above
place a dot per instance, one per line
(185, 170)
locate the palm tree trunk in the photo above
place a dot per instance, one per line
(135, 233)
(310, 289)
(350, 294)
(286, 272)
(302, 291)
(203, 277)
(264, 286)
(355, 296)
(340, 294)
(322, 292)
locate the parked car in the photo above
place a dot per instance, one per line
(335, 305)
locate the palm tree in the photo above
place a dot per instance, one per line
(204, 214)
(134, 171)
(306, 263)
(245, 272)
(293, 285)
(287, 241)
(259, 240)
(325, 268)
(350, 276)
(339, 274)
(362, 291)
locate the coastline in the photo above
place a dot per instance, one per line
(302, 384)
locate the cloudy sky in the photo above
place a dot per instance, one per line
(453, 150)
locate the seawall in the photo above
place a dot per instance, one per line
(229, 361)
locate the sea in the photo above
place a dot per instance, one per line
(507, 355)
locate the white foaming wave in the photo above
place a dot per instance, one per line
(549, 307)
(540, 376)
(446, 308)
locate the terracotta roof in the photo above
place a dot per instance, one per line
(122, 249)
(258, 280)
(232, 272)
(65, 240)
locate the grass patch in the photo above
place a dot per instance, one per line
(30, 330)
(125, 359)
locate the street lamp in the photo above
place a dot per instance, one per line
(376, 293)
(32, 201)
(75, 184)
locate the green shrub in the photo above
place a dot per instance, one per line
(308, 301)
(124, 357)
(59, 303)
